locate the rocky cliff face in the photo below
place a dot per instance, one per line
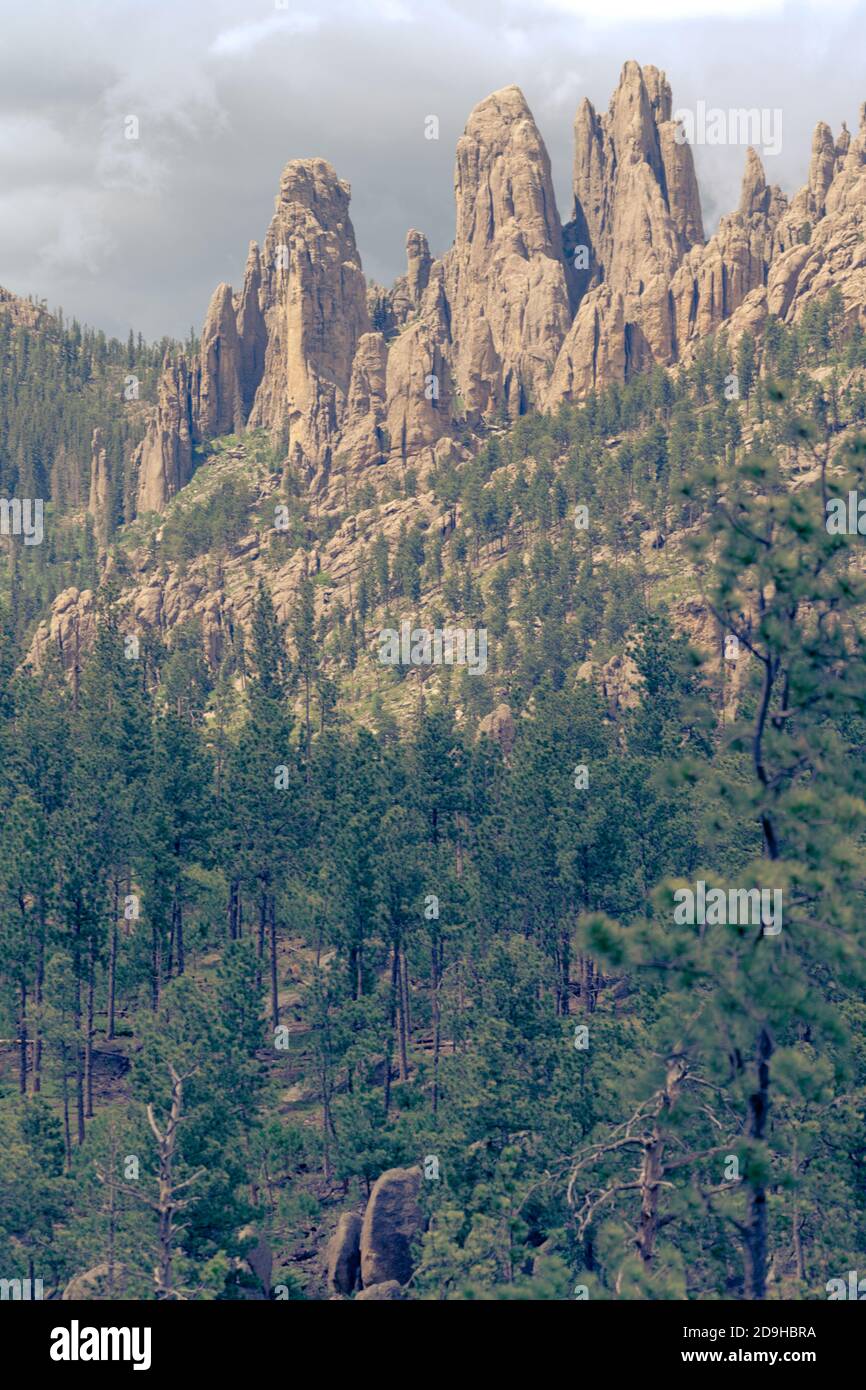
(714, 280)
(280, 354)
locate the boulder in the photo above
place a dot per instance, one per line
(389, 1289)
(69, 631)
(392, 1220)
(499, 725)
(259, 1256)
(343, 1257)
(92, 1285)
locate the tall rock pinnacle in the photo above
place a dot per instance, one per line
(218, 407)
(505, 277)
(164, 457)
(314, 304)
(636, 193)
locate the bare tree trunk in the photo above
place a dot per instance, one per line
(407, 1010)
(88, 1039)
(796, 1220)
(326, 1125)
(155, 968)
(260, 943)
(392, 1019)
(588, 984)
(79, 1072)
(112, 1205)
(652, 1164)
(436, 977)
(175, 940)
(23, 1041)
(401, 1015)
(756, 1205)
(168, 1202)
(40, 982)
(272, 919)
(112, 961)
(233, 910)
(306, 727)
(564, 999)
(67, 1130)
(181, 956)
(76, 670)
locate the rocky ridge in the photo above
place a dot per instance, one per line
(522, 312)
(353, 381)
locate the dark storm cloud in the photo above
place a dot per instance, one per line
(137, 233)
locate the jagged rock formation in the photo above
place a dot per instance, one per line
(497, 307)
(774, 257)
(364, 440)
(68, 632)
(315, 310)
(827, 249)
(521, 312)
(294, 353)
(252, 333)
(99, 498)
(714, 280)
(217, 396)
(22, 313)
(164, 457)
(594, 353)
(636, 195)
(499, 726)
(419, 262)
(405, 298)
(419, 398)
(505, 277)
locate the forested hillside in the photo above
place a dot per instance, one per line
(58, 383)
(277, 922)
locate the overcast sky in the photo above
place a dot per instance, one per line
(136, 233)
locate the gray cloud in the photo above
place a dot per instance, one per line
(138, 232)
